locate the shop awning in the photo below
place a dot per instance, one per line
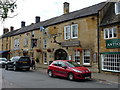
(1, 52)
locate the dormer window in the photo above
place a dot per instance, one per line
(117, 8)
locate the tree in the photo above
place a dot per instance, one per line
(7, 6)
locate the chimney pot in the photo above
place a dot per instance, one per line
(37, 19)
(5, 30)
(66, 7)
(23, 24)
(11, 28)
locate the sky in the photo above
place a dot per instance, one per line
(27, 10)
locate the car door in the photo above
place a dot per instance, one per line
(61, 70)
(55, 68)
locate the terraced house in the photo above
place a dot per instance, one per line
(5, 42)
(73, 36)
(110, 37)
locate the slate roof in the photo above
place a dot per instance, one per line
(92, 10)
(8, 34)
(110, 16)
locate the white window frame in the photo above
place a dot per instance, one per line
(117, 9)
(70, 57)
(67, 32)
(45, 58)
(76, 30)
(108, 32)
(45, 43)
(45, 31)
(16, 44)
(25, 42)
(77, 54)
(86, 55)
(109, 63)
(33, 32)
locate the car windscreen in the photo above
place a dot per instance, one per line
(72, 64)
(24, 59)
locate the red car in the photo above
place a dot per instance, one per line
(68, 69)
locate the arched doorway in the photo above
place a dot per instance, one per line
(60, 54)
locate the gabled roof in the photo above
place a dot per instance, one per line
(92, 10)
(110, 17)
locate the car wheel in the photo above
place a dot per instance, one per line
(28, 69)
(14, 68)
(71, 76)
(6, 67)
(50, 74)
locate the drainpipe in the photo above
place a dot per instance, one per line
(98, 41)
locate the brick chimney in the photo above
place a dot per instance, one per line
(37, 19)
(66, 7)
(22, 24)
(11, 28)
(5, 30)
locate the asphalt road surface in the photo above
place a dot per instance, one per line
(35, 79)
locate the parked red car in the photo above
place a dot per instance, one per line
(68, 69)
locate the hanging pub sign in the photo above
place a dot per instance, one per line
(114, 43)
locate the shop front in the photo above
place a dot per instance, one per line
(5, 54)
(110, 61)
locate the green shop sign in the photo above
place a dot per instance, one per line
(114, 43)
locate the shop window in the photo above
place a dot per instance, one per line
(77, 56)
(86, 57)
(111, 62)
(110, 33)
(117, 8)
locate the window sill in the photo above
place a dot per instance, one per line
(74, 38)
(117, 13)
(110, 38)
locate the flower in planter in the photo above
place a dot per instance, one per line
(49, 50)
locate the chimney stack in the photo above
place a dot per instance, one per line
(22, 24)
(5, 30)
(11, 28)
(37, 19)
(66, 8)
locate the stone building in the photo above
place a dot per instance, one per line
(109, 41)
(73, 36)
(5, 42)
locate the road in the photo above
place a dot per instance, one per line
(35, 79)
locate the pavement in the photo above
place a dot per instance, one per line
(102, 77)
